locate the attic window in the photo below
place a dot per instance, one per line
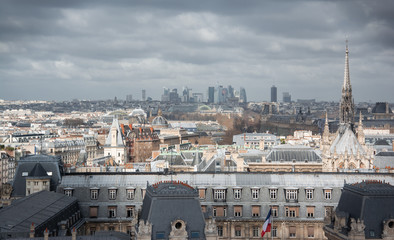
(25, 174)
(49, 173)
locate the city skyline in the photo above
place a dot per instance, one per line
(99, 50)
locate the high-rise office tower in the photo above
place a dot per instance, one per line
(242, 95)
(274, 91)
(211, 94)
(286, 97)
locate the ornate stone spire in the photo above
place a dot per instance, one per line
(360, 131)
(326, 132)
(347, 105)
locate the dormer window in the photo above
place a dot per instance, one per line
(219, 194)
(68, 192)
(112, 193)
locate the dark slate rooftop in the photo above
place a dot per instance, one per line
(168, 201)
(385, 154)
(36, 208)
(382, 142)
(380, 107)
(371, 201)
(38, 171)
(50, 164)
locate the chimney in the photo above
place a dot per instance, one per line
(31, 230)
(74, 234)
(387, 107)
(46, 234)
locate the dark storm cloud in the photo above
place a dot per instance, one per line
(101, 49)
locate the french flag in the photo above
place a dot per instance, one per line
(267, 224)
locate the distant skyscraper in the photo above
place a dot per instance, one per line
(230, 91)
(219, 94)
(143, 95)
(286, 97)
(211, 94)
(242, 95)
(129, 98)
(274, 91)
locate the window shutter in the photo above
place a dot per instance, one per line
(93, 211)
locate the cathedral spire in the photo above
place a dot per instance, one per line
(346, 79)
(347, 104)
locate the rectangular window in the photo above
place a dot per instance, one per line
(255, 194)
(328, 211)
(202, 193)
(273, 193)
(203, 208)
(311, 232)
(310, 212)
(292, 231)
(111, 212)
(237, 193)
(92, 230)
(160, 235)
(220, 231)
(195, 234)
(129, 211)
(130, 194)
(220, 194)
(255, 211)
(112, 194)
(111, 228)
(237, 211)
(238, 232)
(291, 194)
(93, 194)
(291, 212)
(309, 194)
(327, 194)
(93, 212)
(219, 211)
(68, 193)
(275, 211)
(255, 231)
(274, 231)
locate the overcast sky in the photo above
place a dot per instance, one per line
(62, 50)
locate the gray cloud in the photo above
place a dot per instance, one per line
(99, 49)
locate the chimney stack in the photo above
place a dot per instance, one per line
(74, 234)
(46, 234)
(31, 230)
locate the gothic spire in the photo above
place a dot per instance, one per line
(346, 79)
(347, 105)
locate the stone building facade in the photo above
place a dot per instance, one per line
(238, 202)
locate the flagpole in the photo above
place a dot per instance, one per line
(272, 228)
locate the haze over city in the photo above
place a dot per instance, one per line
(61, 50)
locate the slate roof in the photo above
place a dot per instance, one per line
(38, 171)
(346, 141)
(371, 201)
(169, 201)
(37, 208)
(384, 159)
(25, 166)
(289, 153)
(101, 235)
(380, 107)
